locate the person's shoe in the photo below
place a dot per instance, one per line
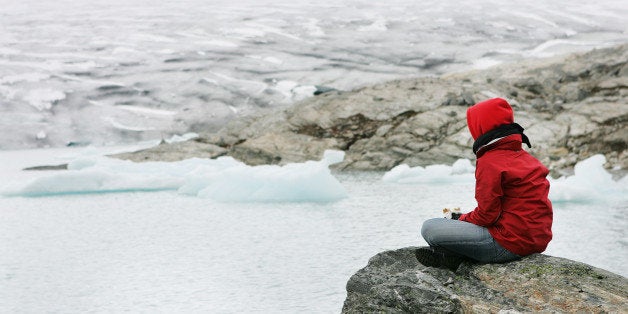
(427, 257)
(430, 257)
(452, 262)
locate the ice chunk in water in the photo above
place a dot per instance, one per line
(223, 179)
(460, 172)
(590, 182)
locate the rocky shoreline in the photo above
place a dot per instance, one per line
(572, 107)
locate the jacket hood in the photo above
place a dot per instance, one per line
(487, 115)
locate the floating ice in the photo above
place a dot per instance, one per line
(462, 171)
(590, 182)
(331, 157)
(224, 179)
(228, 180)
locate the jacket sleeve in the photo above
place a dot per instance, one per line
(488, 194)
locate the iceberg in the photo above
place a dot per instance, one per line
(462, 171)
(224, 179)
(590, 183)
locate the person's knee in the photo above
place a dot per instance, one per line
(428, 230)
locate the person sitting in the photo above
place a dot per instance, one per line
(513, 217)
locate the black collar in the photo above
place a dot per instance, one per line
(499, 132)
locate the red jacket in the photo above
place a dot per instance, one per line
(511, 188)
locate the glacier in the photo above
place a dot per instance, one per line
(130, 70)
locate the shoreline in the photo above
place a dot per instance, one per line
(572, 107)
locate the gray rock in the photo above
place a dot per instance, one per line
(394, 282)
(47, 167)
(175, 152)
(422, 121)
(282, 148)
(572, 107)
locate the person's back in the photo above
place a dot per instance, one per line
(522, 220)
(514, 215)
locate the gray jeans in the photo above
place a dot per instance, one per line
(466, 239)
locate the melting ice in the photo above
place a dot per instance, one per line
(228, 180)
(590, 182)
(462, 171)
(224, 179)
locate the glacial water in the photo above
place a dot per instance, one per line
(165, 251)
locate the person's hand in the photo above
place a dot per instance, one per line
(453, 213)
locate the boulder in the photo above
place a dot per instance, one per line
(395, 282)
